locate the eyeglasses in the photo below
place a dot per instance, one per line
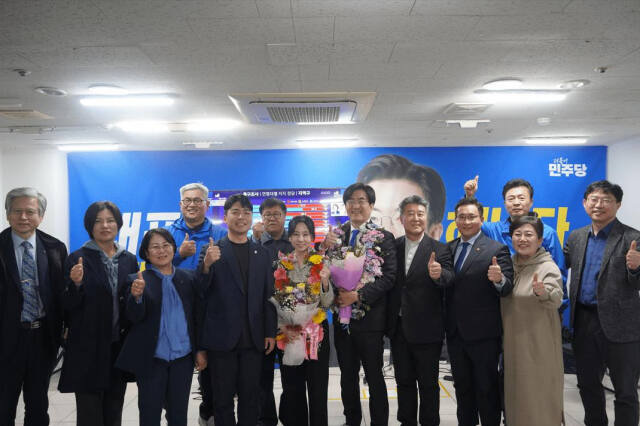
(593, 201)
(466, 217)
(275, 215)
(194, 201)
(358, 202)
(156, 248)
(26, 212)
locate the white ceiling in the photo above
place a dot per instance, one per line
(418, 55)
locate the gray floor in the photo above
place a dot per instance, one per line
(62, 406)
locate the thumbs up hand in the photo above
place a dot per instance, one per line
(137, 288)
(633, 256)
(471, 187)
(212, 255)
(187, 248)
(538, 286)
(435, 269)
(77, 272)
(330, 240)
(495, 273)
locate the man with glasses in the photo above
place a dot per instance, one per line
(191, 232)
(483, 274)
(240, 323)
(30, 309)
(362, 342)
(605, 306)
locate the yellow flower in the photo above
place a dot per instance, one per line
(301, 286)
(319, 316)
(288, 289)
(315, 288)
(315, 259)
(288, 265)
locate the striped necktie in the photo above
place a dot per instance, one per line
(31, 300)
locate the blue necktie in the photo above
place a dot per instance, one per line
(31, 302)
(460, 260)
(354, 236)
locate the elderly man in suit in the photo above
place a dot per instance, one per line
(605, 306)
(483, 274)
(415, 314)
(363, 341)
(30, 314)
(240, 323)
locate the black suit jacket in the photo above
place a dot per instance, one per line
(617, 292)
(50, 256)
(420, 298)
(473, 302)
(140, 345)
(223, 319)
(89, 318)
(375, 293)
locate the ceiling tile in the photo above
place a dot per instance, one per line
(274, 8)
(313, 30)
(487, 7)
(244, 31)
(97, 56)
(351, 7)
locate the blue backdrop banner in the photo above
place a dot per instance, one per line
(145, 185)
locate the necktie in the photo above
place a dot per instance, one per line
(354, 237)
(31, 302)
(460, 260)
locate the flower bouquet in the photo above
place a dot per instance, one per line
(297, 307)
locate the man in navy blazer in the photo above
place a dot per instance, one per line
(483, 274)
(239, 324)
(605, 306)
(30, 310)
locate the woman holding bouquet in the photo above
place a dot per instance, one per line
(302, 285)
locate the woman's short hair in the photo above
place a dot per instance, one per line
(306, 220)
(91, 215)
(143, 252)
(530, 218)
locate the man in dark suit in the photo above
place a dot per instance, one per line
(30, 314)
(605, 306)
(363, 341)
(415, 316)
(483, 273)
(240, 324)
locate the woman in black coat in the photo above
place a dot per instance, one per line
(161, 350)
(93, 301)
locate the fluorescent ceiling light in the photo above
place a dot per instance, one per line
(107, 89)
(326, 143)
(574, 84)
(89, 147)
(556, 140)
(127, 101)
(466, 124)
(212, 125)
(522, 96)
(314, 123)
(503, 84)
(143, 126)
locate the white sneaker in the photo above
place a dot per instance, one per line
(203, 422)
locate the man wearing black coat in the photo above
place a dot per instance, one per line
(362, 342)
(30, 314)
(483, 274)
(415, 316)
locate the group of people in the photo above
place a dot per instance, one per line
(203, 301)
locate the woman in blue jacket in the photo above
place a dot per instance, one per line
(161, 349)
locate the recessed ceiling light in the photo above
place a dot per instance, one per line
(212, 125)
(556, 140)
(50, 91)
(127, 101)
(107, 89)
(467, 124)
(143, 126)
(89, 147)
(522, 96)
(574, 84)
(326, 143)
(543, 121)
(503, 84)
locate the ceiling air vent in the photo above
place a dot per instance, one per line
(304, 108)
(23, 114)
(465, 109)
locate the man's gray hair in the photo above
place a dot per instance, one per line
(413, 199)
(199, 186)
(26, 192)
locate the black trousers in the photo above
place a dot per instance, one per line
(474, 366)
(103, 408)
(235, 372)
(268, 415)
(416, 363)
(312, 379)
(594, 353)
(168, 386)
(29, 371)
(353, 349)
(206, 406)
